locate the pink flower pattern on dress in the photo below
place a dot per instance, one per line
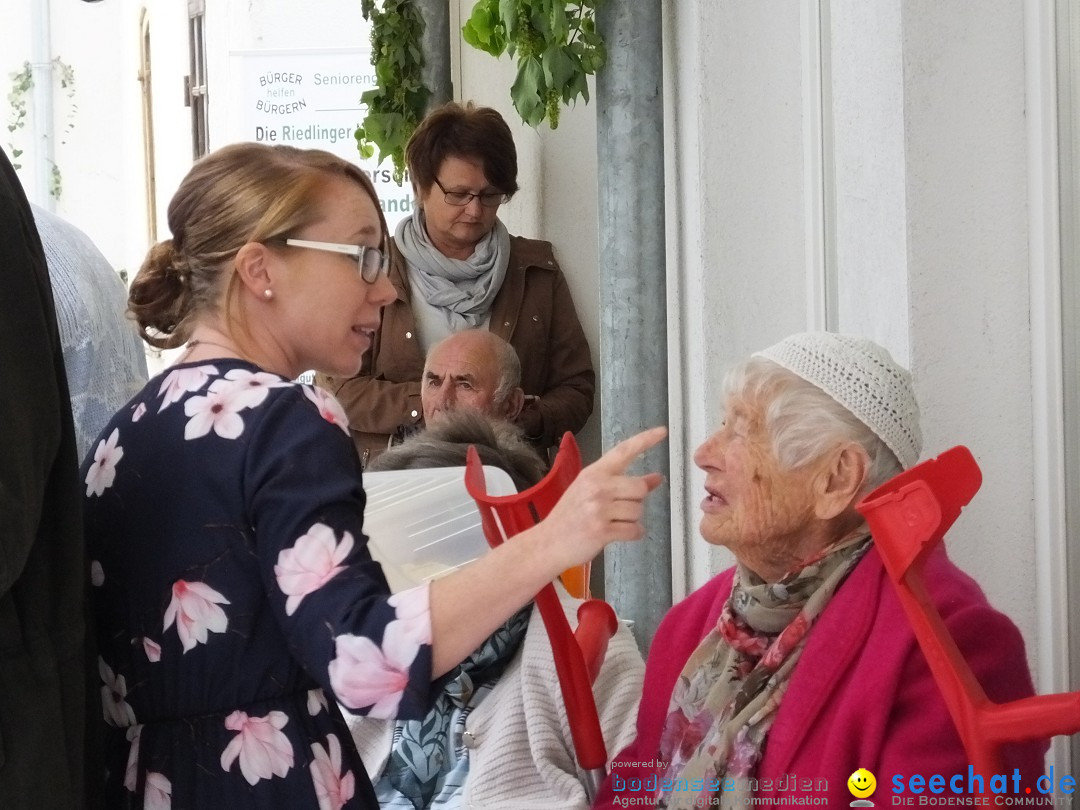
(413, 609)
(248, 389)
(362, 674)
(139, 411)
(332, 787)
(158, 795)
(329, 408)
(152, 649)
(218, 411)
(264, 751)
(97, 574)
(181, 380)
(114, 707)
(316, 702)
(194, 608)
(131, 772)
(314, 559)
(102, 472)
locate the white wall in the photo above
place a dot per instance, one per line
(932, 245)
(968, 258)
(740, 213)
(863, 99)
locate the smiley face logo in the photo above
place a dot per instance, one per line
(862, 783)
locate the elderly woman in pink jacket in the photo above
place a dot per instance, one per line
(784, 675)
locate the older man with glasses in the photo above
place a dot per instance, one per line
(456, 267)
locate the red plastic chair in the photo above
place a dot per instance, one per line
(578, 655)
(908, 516)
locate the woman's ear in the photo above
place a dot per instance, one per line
(841, 481)
(254, 267)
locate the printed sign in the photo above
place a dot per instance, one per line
(310, 99)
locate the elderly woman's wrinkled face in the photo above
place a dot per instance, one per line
(753, 505)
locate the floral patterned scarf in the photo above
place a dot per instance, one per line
(726, 698)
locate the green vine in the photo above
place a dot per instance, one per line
(22, 82)
(556, 46)
(397, 102)
(66, 74)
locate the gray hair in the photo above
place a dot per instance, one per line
(509, 369)
(446, 443)
(804, 422)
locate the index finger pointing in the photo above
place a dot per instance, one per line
(618, 458)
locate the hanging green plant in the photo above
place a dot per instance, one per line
(65, 73)
(22, 82)
(397, 102)
(556, 46)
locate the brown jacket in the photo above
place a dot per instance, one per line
(533, 311)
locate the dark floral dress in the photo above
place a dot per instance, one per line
(235, 601)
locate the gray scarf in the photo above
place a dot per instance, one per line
(464, 290)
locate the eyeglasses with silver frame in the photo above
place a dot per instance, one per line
(488, 199)
(371, 262)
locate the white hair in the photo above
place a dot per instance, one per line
(509, 369)
(804, 422)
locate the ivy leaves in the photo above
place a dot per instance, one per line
(22, 83)
(556, 46)
(554, 41)
(399, 98)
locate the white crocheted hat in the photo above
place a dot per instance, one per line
(862, 377)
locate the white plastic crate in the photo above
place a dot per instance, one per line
(422, 524)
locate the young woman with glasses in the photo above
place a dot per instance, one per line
(235, 604)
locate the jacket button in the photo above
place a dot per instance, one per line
(469, 739)
(408, 335)
(414, 414)
(536, 318)
(506, 324)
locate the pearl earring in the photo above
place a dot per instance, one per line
(268, 294)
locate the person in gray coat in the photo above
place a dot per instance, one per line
(103, 354)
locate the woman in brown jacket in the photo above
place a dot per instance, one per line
(455, 266)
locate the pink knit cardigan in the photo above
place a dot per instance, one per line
(861, 695)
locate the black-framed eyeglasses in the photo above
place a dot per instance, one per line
(488, 199)
(371, 262)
